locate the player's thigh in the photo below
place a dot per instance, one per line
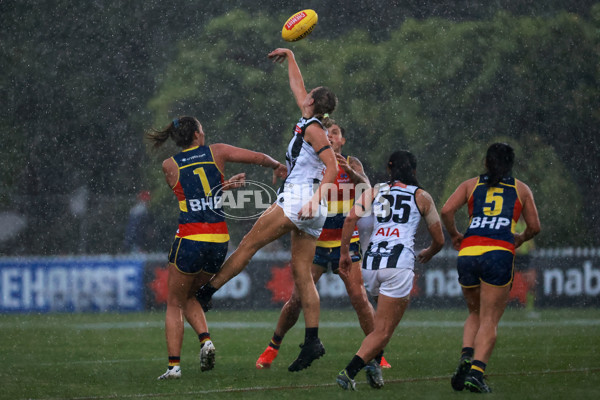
(271, 225)
(390, 311)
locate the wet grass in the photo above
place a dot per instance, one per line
(555, 355)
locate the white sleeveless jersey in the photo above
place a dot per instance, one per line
(396, 217)
(303, 163)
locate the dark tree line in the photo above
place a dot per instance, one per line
(79, 76)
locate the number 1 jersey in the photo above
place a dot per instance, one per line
(198, 191)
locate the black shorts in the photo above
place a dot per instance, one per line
(494, 268)
(192, 256)
(327, 257)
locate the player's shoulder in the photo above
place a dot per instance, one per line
(470, 184)
(522, 188)
(353, 159)
(423, 196)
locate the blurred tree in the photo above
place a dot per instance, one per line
(536, 163)
(77, 77)
(436, 87)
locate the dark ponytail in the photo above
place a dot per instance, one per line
(499, 161)
(181, 130)
(403, 166)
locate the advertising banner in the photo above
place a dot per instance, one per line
(568, 277)
(550, 278)
(72, 284)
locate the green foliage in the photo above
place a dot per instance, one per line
(557, 198)
(440, 88)
(430, 76)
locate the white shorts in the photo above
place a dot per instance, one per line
(291, 201)
(391, 282)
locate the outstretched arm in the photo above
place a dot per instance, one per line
(235, 181)
(294, 74)
(223, 153)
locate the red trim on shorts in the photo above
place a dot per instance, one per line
(334, 234)
(485, 241)
(196, 228)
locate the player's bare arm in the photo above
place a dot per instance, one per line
(354, 168)
(171, 171)
(434, 226)
(530, 215)
(453, 204)
(295, 76)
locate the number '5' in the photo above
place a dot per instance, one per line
(495, 200)
(401, 210)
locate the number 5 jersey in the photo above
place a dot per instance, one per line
(493, 213)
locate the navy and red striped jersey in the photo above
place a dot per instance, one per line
(198, 191)
(339, 204)
(493, 213)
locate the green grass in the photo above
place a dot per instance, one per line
(100, 356)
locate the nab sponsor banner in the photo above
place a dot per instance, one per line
(555, 277)
(568, 277)
(71, 284)
(561, 277)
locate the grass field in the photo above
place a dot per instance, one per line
(119, 356)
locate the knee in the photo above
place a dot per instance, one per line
(302, 276)
(387, 336)
(293, 304)
(174, 301)
(382, 336)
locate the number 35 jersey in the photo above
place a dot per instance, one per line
(493, 213)
(396, 217)
(198, 191)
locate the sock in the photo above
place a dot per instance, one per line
(355, 366)
(210, 288)
(311, 333)
(203, 338)
(467, 352)
(478, 368)
(378, 357)
(276, 341)
(174, 361)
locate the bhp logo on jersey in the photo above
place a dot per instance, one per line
(210, 203)
(489, 222)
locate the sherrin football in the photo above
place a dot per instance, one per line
(299, 25)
